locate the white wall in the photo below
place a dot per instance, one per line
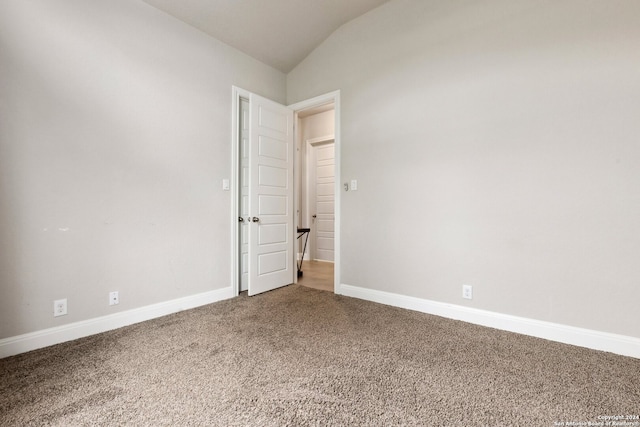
(115, 128)
(496, 144)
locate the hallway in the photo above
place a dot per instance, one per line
(317, 275)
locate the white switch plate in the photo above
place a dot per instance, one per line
(225, 184)
(354, 185)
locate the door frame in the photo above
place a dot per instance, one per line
(310, 144)
(331, 97)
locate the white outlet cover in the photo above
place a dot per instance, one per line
(59, 307)
(114, 298)
(467, 291)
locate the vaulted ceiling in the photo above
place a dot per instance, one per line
(280, 33)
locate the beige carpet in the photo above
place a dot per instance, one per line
(299, 356)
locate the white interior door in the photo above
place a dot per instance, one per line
(243, 196)
(322, 196)
(271, 230)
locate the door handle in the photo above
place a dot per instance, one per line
(314, 216)
(240, 219)
(255, 219)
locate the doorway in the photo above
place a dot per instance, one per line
(300, 111)
(317, 189)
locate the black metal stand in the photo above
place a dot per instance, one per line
(302, 232)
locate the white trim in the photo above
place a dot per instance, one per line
(603, 341)
(315, 102)
(46, 337)
(320, 139)
(237, 93)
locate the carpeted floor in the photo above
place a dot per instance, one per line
(299, 356)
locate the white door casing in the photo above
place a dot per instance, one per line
(243, 154)
(271, 230)
(321, 194)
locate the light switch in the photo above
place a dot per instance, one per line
(354, 184)
(225, 185)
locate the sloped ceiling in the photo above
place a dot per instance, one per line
(280, 33)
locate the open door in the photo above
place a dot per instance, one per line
(271, 227)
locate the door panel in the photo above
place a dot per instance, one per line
(270, 234)
(272, 205)
(272, 177)
(271, 238)
(273, 148)
(325, 226)
(273, 262)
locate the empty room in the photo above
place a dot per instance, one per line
(320, 212)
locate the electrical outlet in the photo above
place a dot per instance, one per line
(467, 291)
(114, 298)
(59, 307)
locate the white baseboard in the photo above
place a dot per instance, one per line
(46, 337)
(619, 344)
